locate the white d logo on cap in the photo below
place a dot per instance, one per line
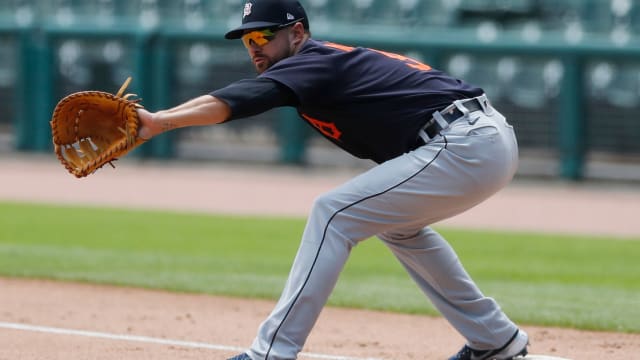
(247, 10)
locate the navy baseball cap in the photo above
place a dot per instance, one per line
(269, 14)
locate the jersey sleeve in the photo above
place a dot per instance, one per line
(250, 97)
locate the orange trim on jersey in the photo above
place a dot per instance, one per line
(344, 48)
(407, 60)
(328, 129)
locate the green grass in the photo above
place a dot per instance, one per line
(572, 281)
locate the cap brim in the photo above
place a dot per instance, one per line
(238, 32)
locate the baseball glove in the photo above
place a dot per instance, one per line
(93, 128)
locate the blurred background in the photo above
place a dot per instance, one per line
(566, 73)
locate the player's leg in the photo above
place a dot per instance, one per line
(481, 157)
(435, 267)
(414, 190)
(339, 219)
(337, 222)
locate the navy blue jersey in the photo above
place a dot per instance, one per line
(368, 102)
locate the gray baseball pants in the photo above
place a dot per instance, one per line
(396, 201)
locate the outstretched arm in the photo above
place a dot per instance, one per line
(240, 99)
(203, 110)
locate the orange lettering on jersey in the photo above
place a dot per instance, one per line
(328, 129)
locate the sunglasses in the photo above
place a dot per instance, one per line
(264, 36)
(258, 37)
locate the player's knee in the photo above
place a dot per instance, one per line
(325, 204)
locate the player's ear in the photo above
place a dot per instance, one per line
(297, 33)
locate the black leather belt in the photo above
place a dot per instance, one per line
(450, 114)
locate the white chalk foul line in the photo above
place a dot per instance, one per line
(152, 340)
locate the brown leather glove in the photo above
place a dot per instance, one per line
(93, 128)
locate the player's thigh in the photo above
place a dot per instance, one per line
(391, 195)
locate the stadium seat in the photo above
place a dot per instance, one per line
(20, 12)
(227, 12)
(193, 15)
(613, 90)
(478, 70)
(617, 83)
(64, 13)
(8, 79)
(416, 13)
(529, 83)
(556, 15)
(320, 14)
(599, 76)
(597, 15)
(473, 12)
(358, 12)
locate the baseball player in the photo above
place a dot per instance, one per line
(440, 149)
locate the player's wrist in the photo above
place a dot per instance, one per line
(164, 121)
(149, 122)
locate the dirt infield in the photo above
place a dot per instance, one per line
(70, 321)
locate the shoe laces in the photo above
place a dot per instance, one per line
(467, 353)
(464, 353)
